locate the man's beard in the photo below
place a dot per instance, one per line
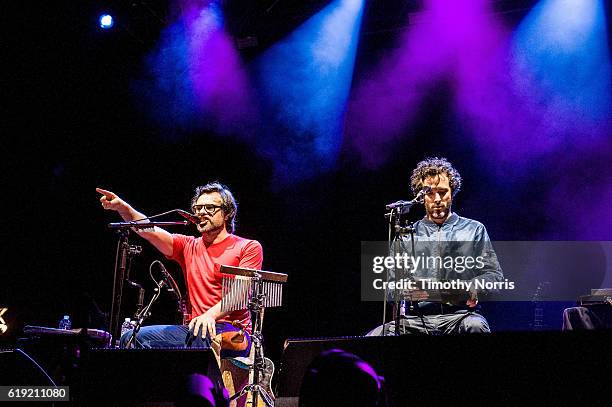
(439, 213)
(210, 228)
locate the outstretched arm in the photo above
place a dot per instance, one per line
(158, 237)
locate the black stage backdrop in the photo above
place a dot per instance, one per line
(71, 125)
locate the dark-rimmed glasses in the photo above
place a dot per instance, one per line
(208, 208)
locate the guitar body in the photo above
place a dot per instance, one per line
(265, 381)
(237, 375)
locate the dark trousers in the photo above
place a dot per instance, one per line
(459, 322)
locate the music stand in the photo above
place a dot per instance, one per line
(255, 290)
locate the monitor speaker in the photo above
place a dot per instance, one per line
(129, 376)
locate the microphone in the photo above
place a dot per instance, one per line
(189, 216)
(424, 191)
(398, 204)
(417, 199)
(169, 281)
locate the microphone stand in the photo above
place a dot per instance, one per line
(140, 302)
(143, 225)
(144, 314)
(395, 229)
(181, 303)
(126, 252)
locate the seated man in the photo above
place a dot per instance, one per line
(200, 259)
(448, 249)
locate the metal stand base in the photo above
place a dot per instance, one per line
(254, 389)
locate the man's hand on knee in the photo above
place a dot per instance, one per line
(202, 324)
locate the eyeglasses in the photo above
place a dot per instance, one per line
(208, 208)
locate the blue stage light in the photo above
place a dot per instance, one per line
(306, 80)
(563, 45)
(106, 21)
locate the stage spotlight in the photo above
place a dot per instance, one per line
(106, 21)
(308, 77)
(564, 45)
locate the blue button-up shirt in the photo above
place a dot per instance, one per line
(445, 249)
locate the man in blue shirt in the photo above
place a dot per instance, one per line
(453, 262)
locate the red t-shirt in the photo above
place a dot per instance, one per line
(201, 264)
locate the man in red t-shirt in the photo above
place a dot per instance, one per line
(200, 259)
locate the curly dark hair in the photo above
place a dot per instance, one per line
(229, 206)
(432, 166)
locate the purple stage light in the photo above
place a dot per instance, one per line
(219, 79)
(444, 38)
(194, 77)
(547, 89)
(520, 96)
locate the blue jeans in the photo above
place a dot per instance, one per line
(179, 336)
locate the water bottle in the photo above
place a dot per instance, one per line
(126, 326)
(65, 323)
